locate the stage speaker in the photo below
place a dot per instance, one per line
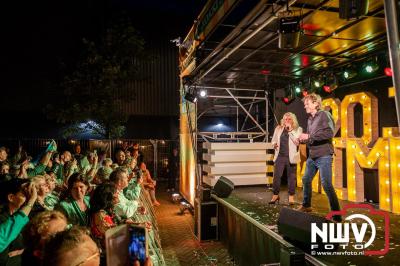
(295, 226)
(223, 188)
(204, 193)
(206, 220)
(351, 9)
(289, 32)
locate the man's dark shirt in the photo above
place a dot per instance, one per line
(321, 130)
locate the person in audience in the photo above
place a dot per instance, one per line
(90, 169)
(104, 172)
(53, 197)
(114, 166)
(60, 162)
(76, 205)
(17, 197)
(38, 231)
(120, 157)
(42, 190)
(140, 155)
(102, 203)
(4, 168)
(71, 168)
(28, 169)
(136, 160)
(125, 208)
(149, 183)
(3, 154)
(286, 155)
(173, 169)
(77, 152)
(134, 188)
(71, 247)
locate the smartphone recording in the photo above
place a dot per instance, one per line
(126, 244)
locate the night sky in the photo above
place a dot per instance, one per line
(42, 40)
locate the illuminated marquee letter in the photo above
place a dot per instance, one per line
(359, 156)
(370, 116)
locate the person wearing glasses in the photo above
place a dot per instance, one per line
(73, 247)
(285, 141)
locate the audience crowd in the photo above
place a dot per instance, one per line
(55, 210)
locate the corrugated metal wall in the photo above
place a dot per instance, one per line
(157, 91)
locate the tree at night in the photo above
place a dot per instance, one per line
(95, 90)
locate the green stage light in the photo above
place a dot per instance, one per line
(348, 74)
(371, 67)
(298, 89)
(317, 84)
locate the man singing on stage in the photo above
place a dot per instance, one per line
(320, 131)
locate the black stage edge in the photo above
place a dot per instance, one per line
(247, 226)
(251, 243)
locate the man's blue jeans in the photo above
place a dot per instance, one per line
(324, 165)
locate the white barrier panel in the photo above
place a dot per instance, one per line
(242, 163)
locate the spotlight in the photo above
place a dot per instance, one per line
(285, 100)
(371, 67)
(388, 71)
(353, 9)
(184, 206)
(220, 125)
(349, 74)
(190, 97)
(298, 89)
(176, 197)
(203, 93)
(317, 83)
(289, 31)
(330, 82)
(265, 71)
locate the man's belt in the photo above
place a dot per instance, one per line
(321, 142)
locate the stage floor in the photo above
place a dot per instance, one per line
(253, 200)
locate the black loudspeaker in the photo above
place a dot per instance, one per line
(295, 226)
(289, 32)
(223, 188)
(204, 193)
(351, 9)
(206, 219)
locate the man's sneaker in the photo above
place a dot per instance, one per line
(304, 209)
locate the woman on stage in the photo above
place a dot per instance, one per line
(286, 154)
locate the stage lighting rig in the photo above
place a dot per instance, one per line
(289, 29)
(190, 89)
(353, 9)
(190, 96)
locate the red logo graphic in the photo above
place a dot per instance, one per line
(372, 211)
